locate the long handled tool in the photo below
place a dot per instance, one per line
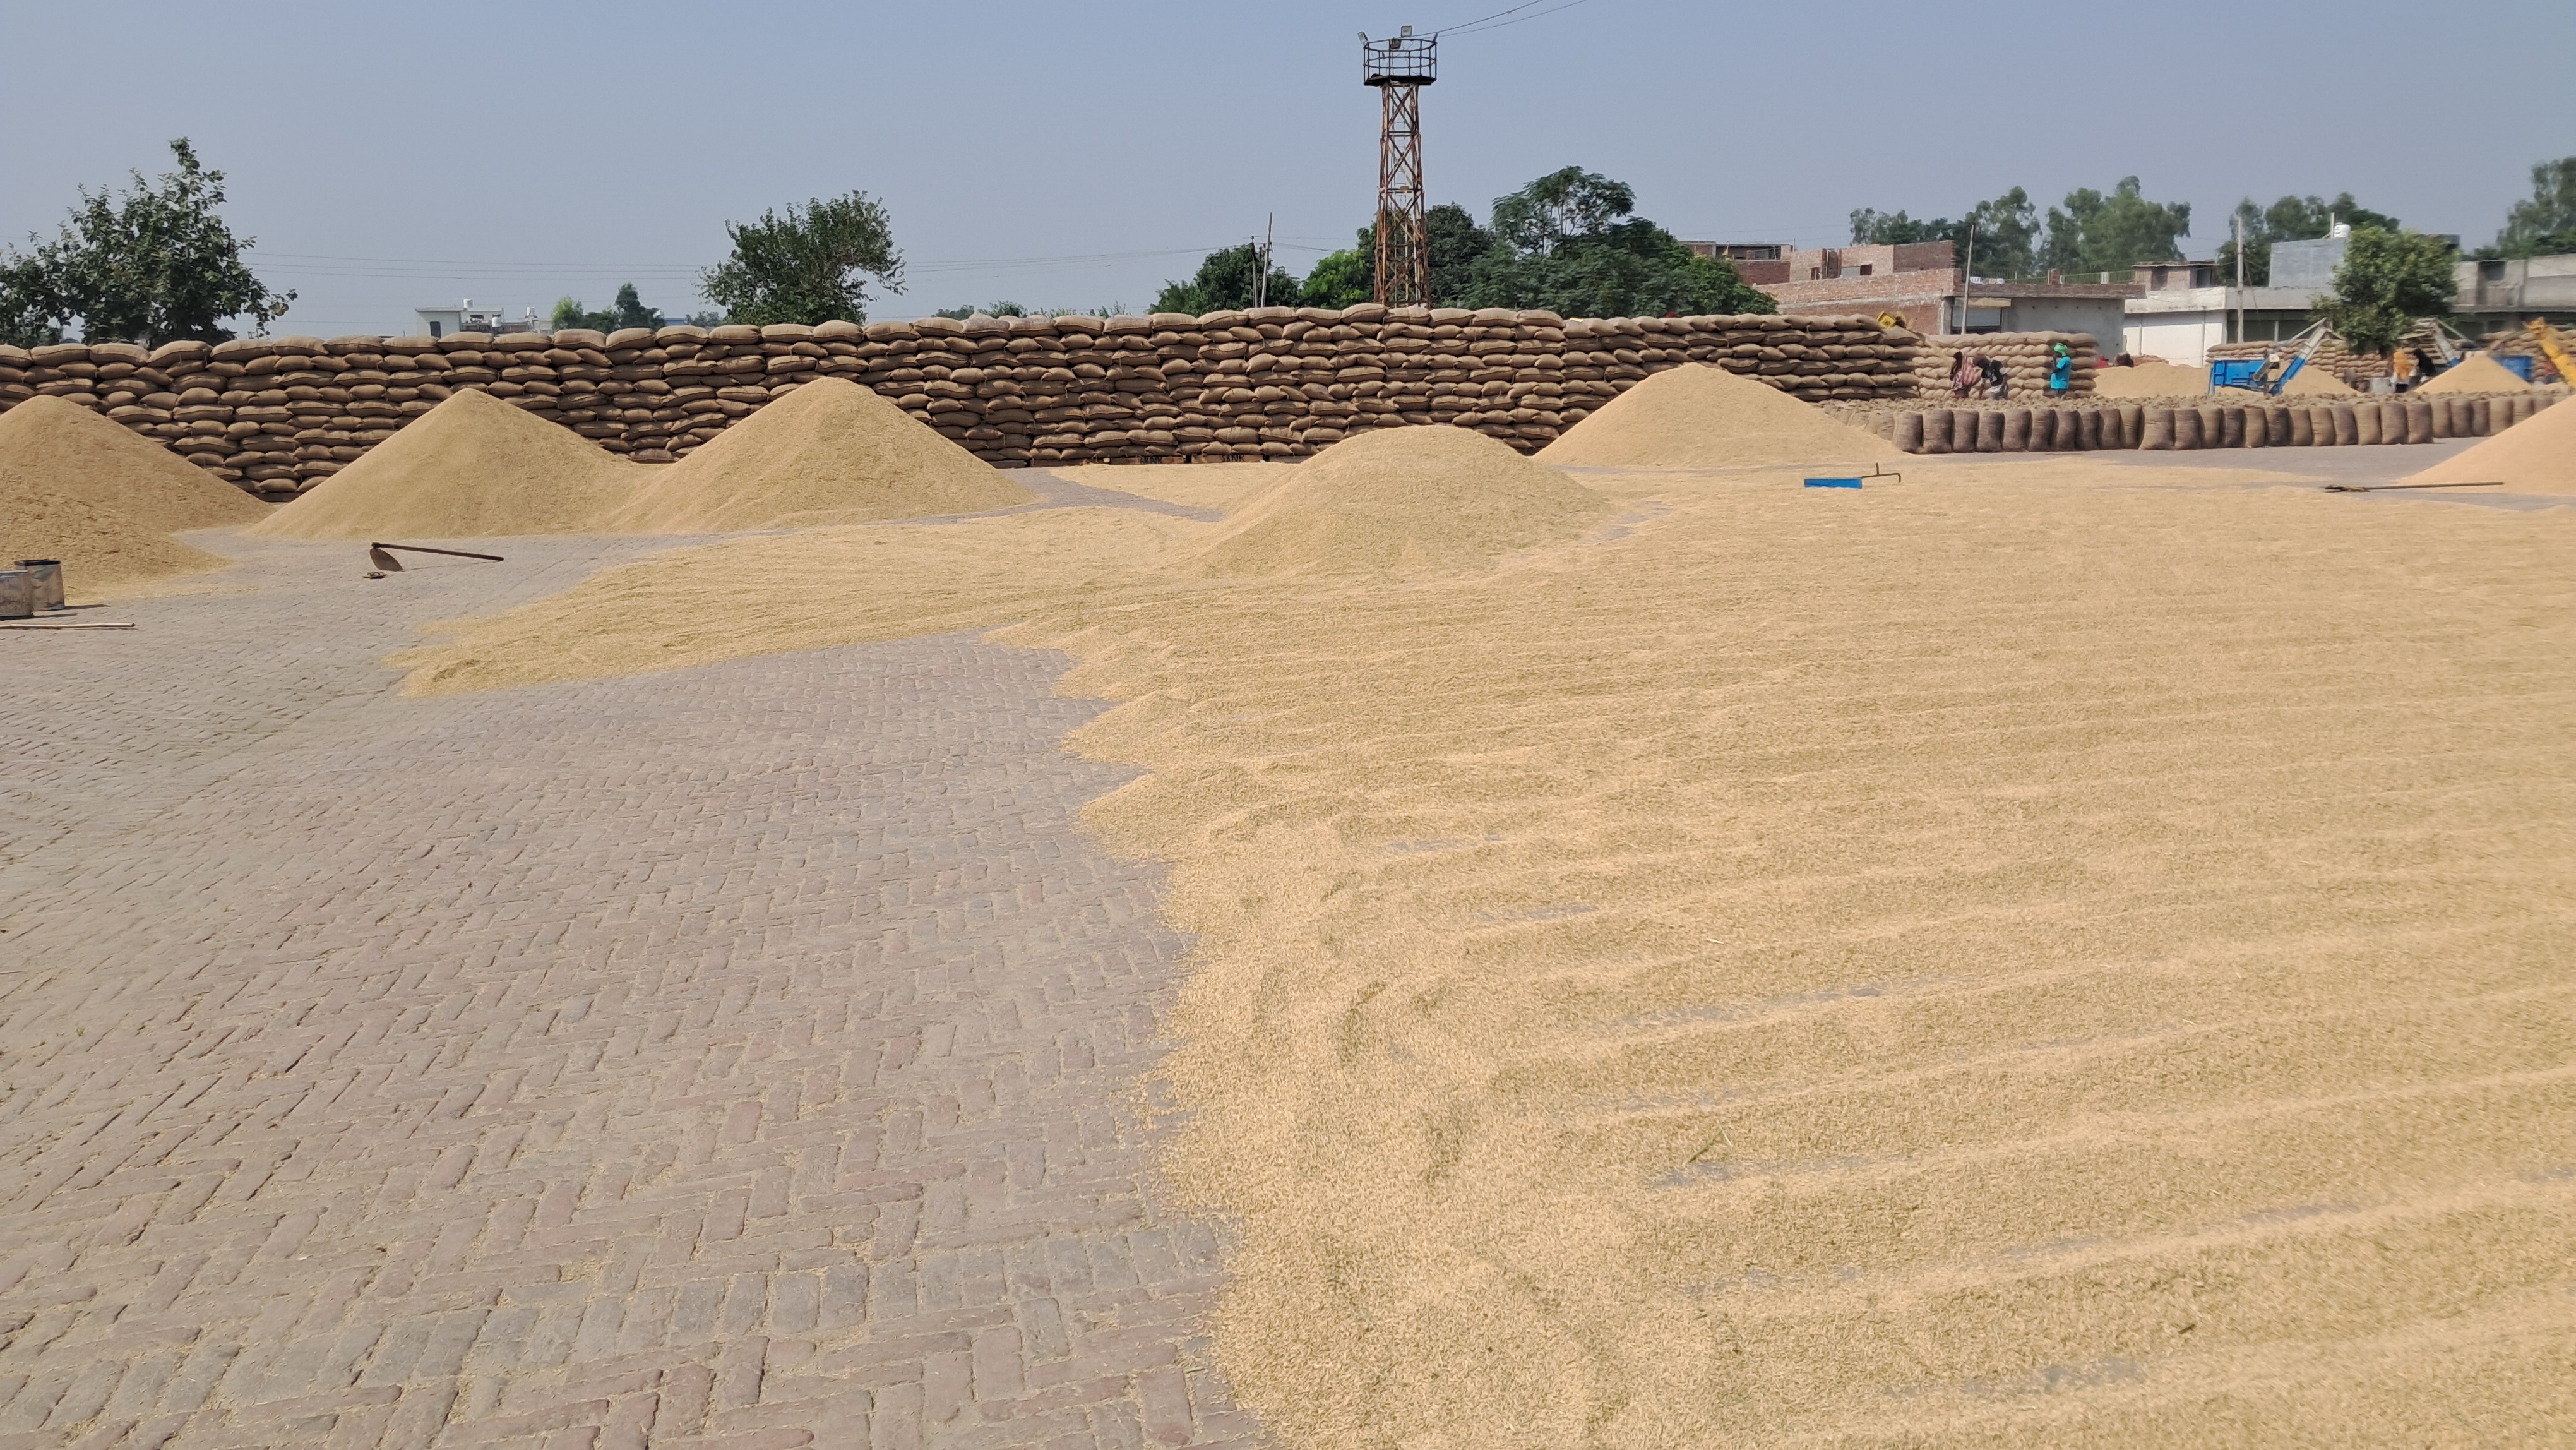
(377, 556)
(2393, 487)
(79, 624)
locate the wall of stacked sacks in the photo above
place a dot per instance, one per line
(2006, 429)
(2025, 357)
(279, 414)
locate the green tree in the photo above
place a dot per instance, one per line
(1454, 242)
(1226, 281)
(153, 265)
(2097, 233)
(26, 305)
(1570, 243)
(2003, 231)
(808, 266)
(1343, 278)
(2291, 219)
(1451, 237)
(1873, 228)
(994, 309)
(631, 311)
(2005, 234)
(2388, 280)
(568, 314)
(627, 311)
(2545, 224)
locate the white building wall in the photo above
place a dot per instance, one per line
(2177, 337)
(2100, 319)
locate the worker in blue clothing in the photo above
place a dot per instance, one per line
(2061, 372)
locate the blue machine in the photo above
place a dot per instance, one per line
(2272, 372)
(2521, 366)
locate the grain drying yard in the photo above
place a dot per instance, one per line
(1282, 878)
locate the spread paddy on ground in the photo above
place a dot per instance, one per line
(2045, 952)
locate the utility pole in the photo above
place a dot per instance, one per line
(1261, 278)
(2239, 220)
(1967, 270)
(1399, 68)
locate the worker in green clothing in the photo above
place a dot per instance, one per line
(2061, 372)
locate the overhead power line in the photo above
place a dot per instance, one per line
(1513, 16)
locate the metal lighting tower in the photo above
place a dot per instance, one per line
(1399, 68)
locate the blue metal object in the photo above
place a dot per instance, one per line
(2521, 366)
(1833, 483)
(2235, 372)
(2247, 373)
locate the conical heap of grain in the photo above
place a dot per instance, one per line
(2476, 373)
(1703, 417)
(2536, 455)
(1420, 500)
(79, 488)
(2316, 382)
(2150, 380)
(830, 452)
(472, 467)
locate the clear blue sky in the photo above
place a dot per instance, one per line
(390, 156)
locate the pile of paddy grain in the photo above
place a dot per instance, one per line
(829, 452)
(79, 488)
(2476, 373)
(2150, 380)
(2536, 455)
(2316, 382)
(472, 467)
(1695, 416)
(1422, 500)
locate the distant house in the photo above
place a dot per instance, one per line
(1740, 251)
(466, 317)
(2186, 308)
(1921, 283)
(2501, 296)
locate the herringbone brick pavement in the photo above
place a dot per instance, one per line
(745, 1056)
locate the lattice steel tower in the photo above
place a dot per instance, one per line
(1400, 68)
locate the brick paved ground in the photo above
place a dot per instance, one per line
(742, 1056)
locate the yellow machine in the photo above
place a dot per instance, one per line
(2554, 345)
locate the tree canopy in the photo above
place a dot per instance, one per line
(2544, 224)
(2291, 219)
(2388, 280)
(811, 265)
(1226, 281)
(2098, 233)
(1343, 278)
(1570, 243)
(627, 311)
(2003, 233)
(1452, 239)
(155, 264)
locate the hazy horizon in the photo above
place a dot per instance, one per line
(393, 159)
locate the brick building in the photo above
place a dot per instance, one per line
(1921, 283)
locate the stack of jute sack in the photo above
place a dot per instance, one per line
(278, 414)
(2004, 428)
(1283, 382)
(2025, 356)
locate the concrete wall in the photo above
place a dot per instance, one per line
(2521, 284)
(279, 414)
(2308, 265)
(2176, 337)
(2098, 318)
